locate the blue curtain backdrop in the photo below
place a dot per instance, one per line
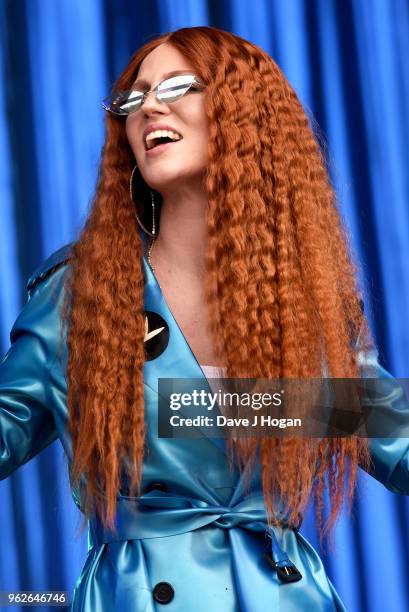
(346, 60)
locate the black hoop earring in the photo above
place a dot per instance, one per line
(145, 218)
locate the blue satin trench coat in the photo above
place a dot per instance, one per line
(195, 540)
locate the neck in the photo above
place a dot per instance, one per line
(181, 241)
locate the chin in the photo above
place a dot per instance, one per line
(164, 178)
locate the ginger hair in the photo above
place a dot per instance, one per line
(280, 283)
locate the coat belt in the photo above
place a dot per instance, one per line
(158, 513)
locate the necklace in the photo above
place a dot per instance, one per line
(150, 253)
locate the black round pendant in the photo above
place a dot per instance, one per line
(156, 335)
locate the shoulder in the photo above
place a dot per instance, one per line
(40, 315)
(56, 260)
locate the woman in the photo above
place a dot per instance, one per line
(213, 241)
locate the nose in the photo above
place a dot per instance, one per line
(152, 105)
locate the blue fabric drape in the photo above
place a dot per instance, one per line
(346, 61)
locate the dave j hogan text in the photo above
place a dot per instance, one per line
(222, 421)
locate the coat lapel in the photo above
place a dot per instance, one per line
(169, 354)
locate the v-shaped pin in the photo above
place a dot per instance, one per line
(151, 334)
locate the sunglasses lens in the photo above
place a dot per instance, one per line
(175, 87)
(124, 103)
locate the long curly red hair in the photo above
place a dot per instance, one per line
(280, 282)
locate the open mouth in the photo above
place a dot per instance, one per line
(160, 137)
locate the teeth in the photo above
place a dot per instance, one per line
(160, 134)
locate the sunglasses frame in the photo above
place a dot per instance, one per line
(107, 102)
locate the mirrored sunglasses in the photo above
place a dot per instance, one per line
(169, 90)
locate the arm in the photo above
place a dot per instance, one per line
(390, 410)
(27, 423)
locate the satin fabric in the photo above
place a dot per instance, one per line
(205, 534)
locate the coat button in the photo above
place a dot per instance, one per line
(158, 486)
(163, 592)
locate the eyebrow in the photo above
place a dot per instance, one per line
(145, 83)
